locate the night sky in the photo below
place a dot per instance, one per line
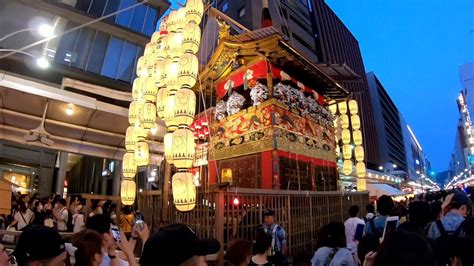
(415, 47)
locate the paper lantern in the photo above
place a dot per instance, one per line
(226, 175)
(137, 88)
(361, 184)
(156, 36)
(149, 49)
(168, 147)
(169, 113)
(185, 107)
(133, 135)
(180, 19)
(175, 43)
(142, 153)
(148, 115)
(360, 169)
(333, 108)
(183, 148)
(164, 48)
(357, 136)
(353, 108)
(161, 102)
(171, 21)
(156, 71)
(359, 153)
(150, 89)
(129, 165)
(347, 152)
(194, 11)
(344, 121)
(188, 70)
(184, 191)
(134, 112)
(191, 38)
(142, 63)
(342, 106)
(347, 167)
(171, 80)
(128, 190)
(355, 120)
(346, 136)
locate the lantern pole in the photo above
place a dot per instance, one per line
(165, 194)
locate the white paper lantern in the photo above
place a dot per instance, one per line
(184, 191)
(142, 153)
(128, 190)
(185, 107)
(188, 70)
(183, 148)
(191, 38)
(168, 147)
(129, 165)
(194, 11)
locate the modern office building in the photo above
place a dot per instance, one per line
(388, 125)
(316, 31)
(79, 105)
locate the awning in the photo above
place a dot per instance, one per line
(383, 189)
(95, 128)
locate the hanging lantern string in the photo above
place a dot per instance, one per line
(206, 114)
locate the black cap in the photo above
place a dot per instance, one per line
(38, 242)
(269, 213)
(460, 198)
(175, 244)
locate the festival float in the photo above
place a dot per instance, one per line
(271, 125)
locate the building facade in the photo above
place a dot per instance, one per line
(77, 109)
(388, 125)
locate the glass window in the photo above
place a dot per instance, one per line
(150, 22)
(83, 45)
(111, 7)
(225, 7)
(97, 54)
(83, 5)
(124, 18)
(65, 52)
(112, 57)
(97, 7)
(242, 12)
(139, 14)
(127, 61)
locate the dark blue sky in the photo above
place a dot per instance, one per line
(415, 47)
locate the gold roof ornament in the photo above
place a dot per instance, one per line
(224, 30)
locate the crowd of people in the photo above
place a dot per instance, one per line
(436, 229)
(432, 230)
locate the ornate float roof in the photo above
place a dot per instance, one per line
(270, 44)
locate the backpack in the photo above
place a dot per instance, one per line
(331, 256)
(444, 244)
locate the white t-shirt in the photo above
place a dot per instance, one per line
(350, 225)
(78, 222)
(61, 223)
(23, 219)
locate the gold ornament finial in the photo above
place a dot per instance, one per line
(224, 29)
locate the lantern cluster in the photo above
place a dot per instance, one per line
(348, 137)
(166, 73)
(176, 49)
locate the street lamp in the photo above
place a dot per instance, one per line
(44, 30)
(41, 62)
(380, 167)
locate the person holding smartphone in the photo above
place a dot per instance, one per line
(354, 228)
(111, 240)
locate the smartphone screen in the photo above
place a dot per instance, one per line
(359, 231)
(116, 234)
(390, 225)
